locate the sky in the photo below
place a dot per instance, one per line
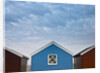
(31, 25)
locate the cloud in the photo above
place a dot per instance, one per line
(47, 29)
(14, 24)
(33, 38)
(30, 24)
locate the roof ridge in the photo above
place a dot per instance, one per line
(15, 52)
(52, 42)
(90, 47)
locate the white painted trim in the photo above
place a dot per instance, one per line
(33, 53)
(73, 62)
(87, 50)
(56, 59)
(14, 52)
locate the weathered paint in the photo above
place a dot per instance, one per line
(39, 61)
(23, 64)
(77, 62)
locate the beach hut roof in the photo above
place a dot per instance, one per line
(16, 53)
(85, 50)
(47, 45)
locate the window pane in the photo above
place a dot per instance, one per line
(52, 59)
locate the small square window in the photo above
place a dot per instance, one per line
(52, 59)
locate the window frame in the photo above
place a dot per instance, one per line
(56, 59)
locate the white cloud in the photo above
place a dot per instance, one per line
(14, 24)
(34, 38)
(47, 29)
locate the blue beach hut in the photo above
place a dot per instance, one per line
(51, 57)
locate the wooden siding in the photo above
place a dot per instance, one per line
(39, 61)
(12, 62)
(23, 64)
(88, 59)
(77, 62)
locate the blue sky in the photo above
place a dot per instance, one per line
(31, 25)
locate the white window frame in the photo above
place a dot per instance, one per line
(56, 59)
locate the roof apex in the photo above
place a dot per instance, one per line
(15, 52)
(85, 50)
(52, 42)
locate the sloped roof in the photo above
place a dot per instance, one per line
(85, 50)
(47, 45)
(16, 53)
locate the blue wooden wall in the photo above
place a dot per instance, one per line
(39, 61)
